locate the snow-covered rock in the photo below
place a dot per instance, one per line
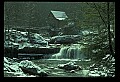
(20, 69)
(69, 66)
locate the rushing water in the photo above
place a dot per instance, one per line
(69, 53)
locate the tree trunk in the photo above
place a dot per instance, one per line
(108, 24)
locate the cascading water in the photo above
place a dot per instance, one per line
(71, 52)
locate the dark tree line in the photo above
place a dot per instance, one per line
(100, 19)
(35, 13)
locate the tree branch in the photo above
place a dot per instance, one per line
(99, 14)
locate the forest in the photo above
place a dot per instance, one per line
(59, 39)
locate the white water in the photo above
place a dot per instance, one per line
(72, 52)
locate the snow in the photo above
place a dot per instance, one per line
(94, 75)
(60, 15)
(61, 18)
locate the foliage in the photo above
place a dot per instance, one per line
(95, 22)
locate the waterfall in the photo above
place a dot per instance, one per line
(69, 53)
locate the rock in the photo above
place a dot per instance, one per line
(11, 66)
(31, 68)
(50, 67)
(14, 74)
(34, 71)
(69, 66)
(20, 69)
(42, 73)
(85, 72)
(27, 64)
(27, 76)
(22, 40)
(103, 74)
(72, 71)
(38, 39)
(61, 66)
(92, 72)
(94, 75)
(5, 60)
(65, 39)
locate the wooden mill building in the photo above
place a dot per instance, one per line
(57, 18)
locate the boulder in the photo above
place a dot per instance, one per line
(69, 66)
(31, 68)
(65, 39)
(72, 71)
(13, 68)
(10, 66)
(38, 39)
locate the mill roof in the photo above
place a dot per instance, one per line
(60, 15)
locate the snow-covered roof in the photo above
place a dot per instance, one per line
(60, 15)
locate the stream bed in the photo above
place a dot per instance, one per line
(51, 66)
